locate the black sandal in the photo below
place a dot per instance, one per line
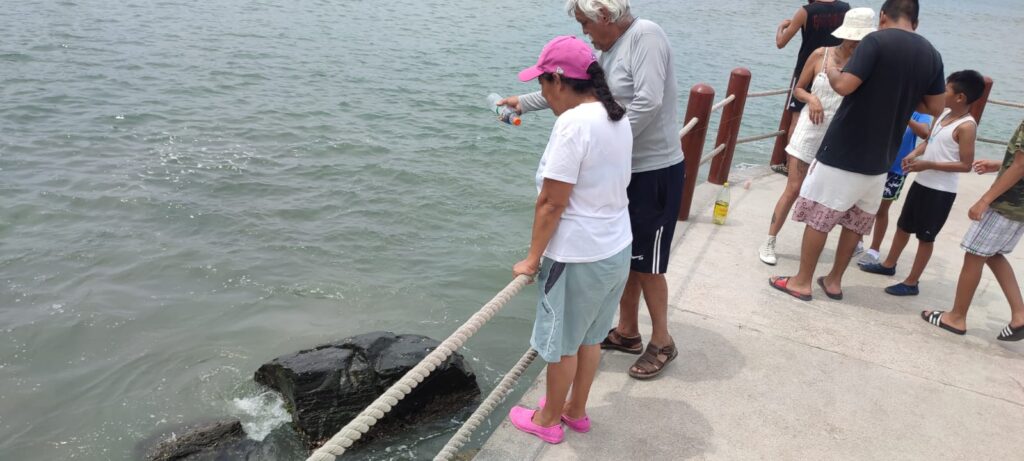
(617, 342)
(653, 362)
(1011, 334)
(935, 318)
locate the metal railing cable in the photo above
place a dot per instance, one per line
(486, 407)
(1006, 103)
(767, 93)
(759, 137)
(723, 103)
(991, 141)
(362, 423)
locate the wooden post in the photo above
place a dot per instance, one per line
(729, 126)
(702, 97)
(978, 107)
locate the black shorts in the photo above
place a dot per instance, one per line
(925, 212)
(654, 199)
(794, 104)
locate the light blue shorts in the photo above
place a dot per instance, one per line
(577, 304)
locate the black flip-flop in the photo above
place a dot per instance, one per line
(835, 296)
(1011, 334)
(783, 288)
(935, 318)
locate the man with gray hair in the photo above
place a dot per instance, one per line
(637, 58)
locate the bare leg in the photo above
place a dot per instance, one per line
(970, 277)
(881, 224)
(560, 377)
(924, 253)
(588, 359)
(844, 252)
(629, 307)
(797, 173)
(1003, 271)
(899, 242)
(810, 251)
(655, 290)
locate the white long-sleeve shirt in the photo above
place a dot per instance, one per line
(641, 77)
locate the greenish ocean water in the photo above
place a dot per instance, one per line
(189, 189)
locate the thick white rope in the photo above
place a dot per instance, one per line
(712, 154)
(486, 407)
(362, 423)
(768, 93)
(689, 126)
(1006, 103)
(723, 103)
(773, 134)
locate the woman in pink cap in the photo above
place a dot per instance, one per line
(581, 243)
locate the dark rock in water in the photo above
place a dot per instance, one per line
(223, 439)
(325, 387)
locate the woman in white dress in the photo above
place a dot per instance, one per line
(821, 105)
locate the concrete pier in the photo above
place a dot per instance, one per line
(761, 375)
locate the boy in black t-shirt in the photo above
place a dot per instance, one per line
(891, 73)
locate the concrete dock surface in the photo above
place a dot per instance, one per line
(761, 375)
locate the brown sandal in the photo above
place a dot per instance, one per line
(653, 362)
(615, 341)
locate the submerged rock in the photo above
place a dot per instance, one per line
(208, 440)
(325, 387)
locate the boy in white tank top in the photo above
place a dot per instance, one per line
(948, 151)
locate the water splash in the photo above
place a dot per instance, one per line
(261, 414)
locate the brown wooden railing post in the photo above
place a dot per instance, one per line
(729, 127)
(779, 151)
(702, 96)
(978, 107)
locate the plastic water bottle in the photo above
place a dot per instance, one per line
(721, 205)
(504, 113)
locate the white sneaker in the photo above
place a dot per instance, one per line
(767, 252)
(859, 249)
(868, 258)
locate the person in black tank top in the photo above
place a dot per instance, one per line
(815, 21)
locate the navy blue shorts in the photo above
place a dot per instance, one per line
(654, 199)
(794, 104)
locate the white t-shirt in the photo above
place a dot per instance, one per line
(592, 152)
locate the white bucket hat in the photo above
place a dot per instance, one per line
(857, 23)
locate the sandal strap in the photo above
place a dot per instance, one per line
(650, 357)
(625, 341)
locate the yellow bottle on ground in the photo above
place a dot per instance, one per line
(721, 205)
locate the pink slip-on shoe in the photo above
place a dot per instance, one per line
(522, 419)
(581, 425)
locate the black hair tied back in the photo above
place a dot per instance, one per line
(604, 94)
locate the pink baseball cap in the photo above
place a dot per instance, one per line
(564, 55)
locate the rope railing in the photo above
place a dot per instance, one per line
(486, 407)
(759, 137)
(768, 93)
(712, 154)
(362, 423)
(689, 126)
(1006, 103)
(723, 103)
(991, 141)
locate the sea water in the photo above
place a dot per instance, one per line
(189, 189)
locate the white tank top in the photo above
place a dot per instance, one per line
(942, 148)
